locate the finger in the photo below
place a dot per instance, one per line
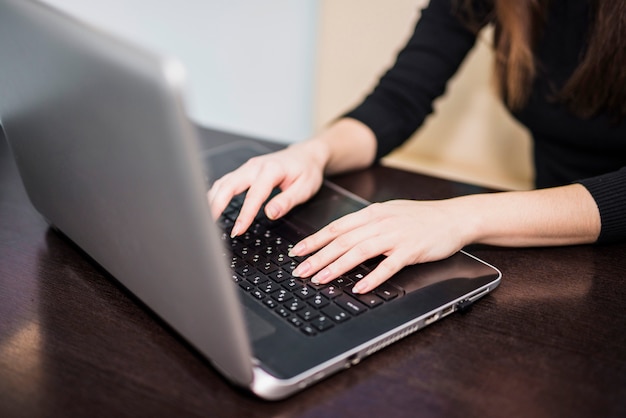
(221, 193)
(385, 269)
(256, 196)
(329, 233)
(217, 205)
(291, 195)
(341, 255)
(348, 261)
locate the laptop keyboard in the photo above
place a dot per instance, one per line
(262, 269)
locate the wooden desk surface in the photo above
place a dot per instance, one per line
(549, 342)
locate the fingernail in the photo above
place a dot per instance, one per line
(358, 288)
(235, 231)
(302, 269)
(297, 250)
(322, 275)
(271, 211)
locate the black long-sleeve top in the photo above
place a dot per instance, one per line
(566, 148)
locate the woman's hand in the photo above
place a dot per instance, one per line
(410, 232)
(297, 171)
(405, 232)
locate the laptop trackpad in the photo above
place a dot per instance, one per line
(257, 327)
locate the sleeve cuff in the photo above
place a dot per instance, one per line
(609, 192)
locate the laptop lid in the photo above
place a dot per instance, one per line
(107, 156)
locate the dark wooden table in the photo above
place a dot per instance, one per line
(549, 342)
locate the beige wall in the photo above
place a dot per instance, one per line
(470, 137)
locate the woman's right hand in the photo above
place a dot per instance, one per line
(297, 171)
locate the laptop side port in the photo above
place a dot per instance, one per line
(448, 310)
(432, 318)
(352, 360)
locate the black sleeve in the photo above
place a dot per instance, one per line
(609, 192)
(404, 95)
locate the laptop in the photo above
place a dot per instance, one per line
(110, 159)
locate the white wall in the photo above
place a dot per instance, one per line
(250, 63)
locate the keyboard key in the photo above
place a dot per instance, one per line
(322, 323)
(356, 274)
(283, 246)
(270, 303)
(317, 286)
(255, 259)
(336, 313)
(267, 267)
(351, 305)
(294, 320)
(269, 287)
(387, 291)
(257, 279)
(256, 243)
(292, 284)
(308, 313)
(295, 304)
(318, 301)
(308, 330)
(246, 286)
(369, 299)
(282, 296)
(245, 270)
(331, 292)
(268, 251)
(279, 275)
(290, 266)
(234, 262)
(247, 237)
(282, 312)
(342, 282)
(279, 258)
(304, 292)
(243, 251)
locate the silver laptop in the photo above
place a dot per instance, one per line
(108, 157)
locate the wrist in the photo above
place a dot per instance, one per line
(350, 145)
(315, 150)
(473, 218)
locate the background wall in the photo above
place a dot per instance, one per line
(249, 63)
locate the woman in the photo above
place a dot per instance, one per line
(561, 70)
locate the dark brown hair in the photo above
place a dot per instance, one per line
(597, 85)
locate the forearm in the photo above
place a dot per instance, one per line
(564, 215)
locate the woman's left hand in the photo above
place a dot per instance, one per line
(404, 231)
(409, 232)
